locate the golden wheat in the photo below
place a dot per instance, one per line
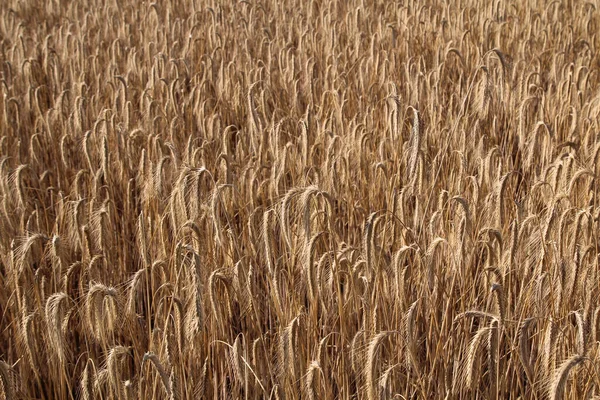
(299, 199)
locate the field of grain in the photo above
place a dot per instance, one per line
(266, 199)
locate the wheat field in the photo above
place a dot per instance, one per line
(321, 199)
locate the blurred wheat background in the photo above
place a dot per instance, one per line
(268, 199)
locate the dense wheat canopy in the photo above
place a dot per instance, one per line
(294, 199)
